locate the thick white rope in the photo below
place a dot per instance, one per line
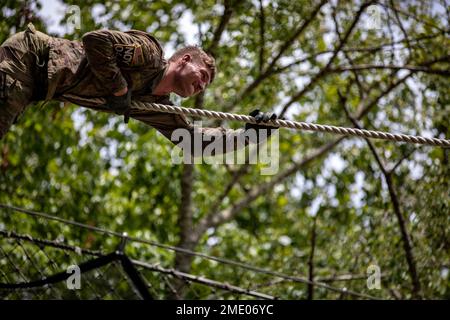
(293, 124)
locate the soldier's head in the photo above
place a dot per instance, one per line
(194, 70)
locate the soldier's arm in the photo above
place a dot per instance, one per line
(177, 129)
(107, 50)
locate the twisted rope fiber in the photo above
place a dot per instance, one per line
(293, 124)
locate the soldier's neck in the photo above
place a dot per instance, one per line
(165, 86)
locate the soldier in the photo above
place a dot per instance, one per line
(103, 72)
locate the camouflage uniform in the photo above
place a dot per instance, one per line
(23, 63)
(35, 66)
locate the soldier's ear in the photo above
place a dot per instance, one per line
(186, 58)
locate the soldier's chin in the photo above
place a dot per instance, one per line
(187, 92)
(182, 93)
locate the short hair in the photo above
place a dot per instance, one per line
(197, 54)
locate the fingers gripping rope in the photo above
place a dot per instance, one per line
(294, 124)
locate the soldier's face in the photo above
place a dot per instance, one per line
(191, 77)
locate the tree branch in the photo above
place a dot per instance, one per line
(338, 69)
(285, 46)
(412, 16)
(407, 246)
(347, 56)
(400, 25)
(262, 31)
(399, 162)
(183, 261)
(224, 20)
(346, 277)
(324, 70)
(372, 49)
(311, 260)
(187, 239)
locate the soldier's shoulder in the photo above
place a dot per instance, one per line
(150, 37)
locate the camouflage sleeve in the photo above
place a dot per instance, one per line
(198, 140)
(108, 50)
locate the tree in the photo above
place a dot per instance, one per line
(362, 202)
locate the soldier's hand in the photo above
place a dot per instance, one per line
(121, 92)
(120, 104)
(261, 118)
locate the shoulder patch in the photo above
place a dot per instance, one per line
(129, 54)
